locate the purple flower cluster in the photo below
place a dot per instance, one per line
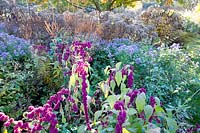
(19, 125)
(73, 54)
(12, 47)
(77, 49)
(38, 115)
(80, 50)
(56, 99)
(6, 118)
(121, 118)
(42, 114)
(133, 94)
(122, 45)
(40, 49)
(130, 80)
(126, 71)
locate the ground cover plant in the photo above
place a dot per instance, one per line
(100, 66)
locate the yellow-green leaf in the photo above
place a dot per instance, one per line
(140, 102)
(125, 131)
(118, 77)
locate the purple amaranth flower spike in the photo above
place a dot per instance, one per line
(84, 97)
(133, 94)
(152, 101)
(119, 105)
(40, 114)
(121, 118)
(130, 80)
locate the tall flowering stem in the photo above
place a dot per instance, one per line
(75, 54)
(80, 58)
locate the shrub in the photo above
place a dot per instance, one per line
(168, 23)
(13, 48)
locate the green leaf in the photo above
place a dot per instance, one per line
(118, 65)
(157, 101)
(118, 77)
(104, 88)
(106, 70)
(159, 109)
(125, 130)
(112, 84)
(124, 90)
(172, 125)
(81, 129)
(131, 111)
(110, 129)
(97, 114)
(124, 78)
(72, 81)
(140, 102)
(112, 99)
(148, 110)
(62, 114)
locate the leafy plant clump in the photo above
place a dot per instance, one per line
(121, 108)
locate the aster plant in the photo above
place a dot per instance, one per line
(131, 112)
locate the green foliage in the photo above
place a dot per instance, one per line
(135, 121)
(15, 91)
(108, 5)
(100, 5)
(172, 74)
(100, 60)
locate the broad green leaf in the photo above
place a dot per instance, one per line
(124, 78)
(148, 110)
(140, 102)
(99, 128)
(131, 111)
(124, 90)
(172, 125)
(111, 100)
(97, 114)
(157, 101)
(112, 84)
(81, 129)
(72, 81)
(127, 98)
(159, 109)
(118, 77)
(118, 65)
(104, 88)
(125, 131)
(106, 70)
